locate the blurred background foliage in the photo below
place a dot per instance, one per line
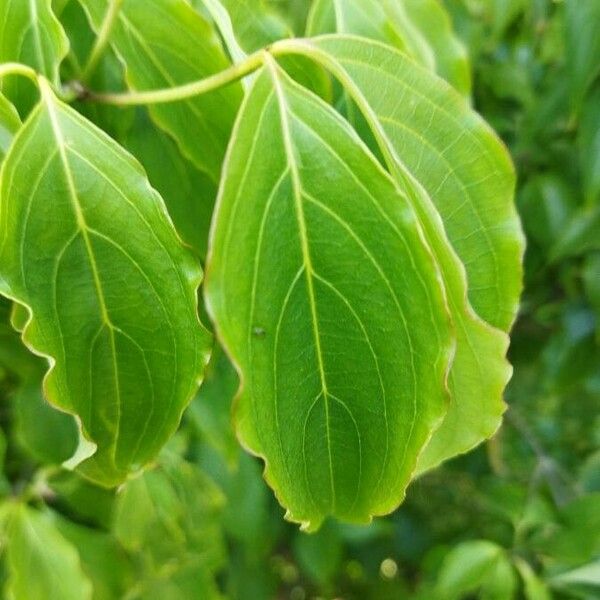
(517, 518)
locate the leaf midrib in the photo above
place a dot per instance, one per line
(308, 268)
(47, 99)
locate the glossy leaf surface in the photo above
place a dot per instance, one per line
(86, 246)
(326, 296)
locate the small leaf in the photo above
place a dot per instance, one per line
(329, 302)
(87, 248)
(163, 43)
(30, 34)
(474, 566)
(534, 587)
(41, 562)
(9, 125)
(171, 513)
(583, 45)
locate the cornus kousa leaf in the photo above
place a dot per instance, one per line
(87, 247)
(460, 184)
(30, 34)
(164, 43)
(327, 297)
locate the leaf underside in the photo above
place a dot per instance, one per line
(87, 248)
(323, 292)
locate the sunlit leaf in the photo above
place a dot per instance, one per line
(330, 303)
(421, 28)
(435, 180)
(9, 125)
(30, 34)
(88, 249)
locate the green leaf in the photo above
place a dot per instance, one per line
(255, 24)
(413, 136)
(322, 290)
(9, 125)
(583, 45)
(451, 152)
(171, 514)
(87, 248)
(421, 28)
(210, 411)
(163, 43)
(30, 34)
(41, 562)
(47, 434)
(589, 146)
(103, 560)
(474, 566)
(534, 587)
(189, 194)
(585, 580)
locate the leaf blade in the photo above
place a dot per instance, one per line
(302, 418)
(104, 249)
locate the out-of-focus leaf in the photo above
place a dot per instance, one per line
(47, 434)
(81, 499)
(583, 45)
(546, 203)
(210, 411)
(163, 43)
(30, 34)
(316, 269)
(589, 145)
(576, 540)
(102, 559)
(111, 290)
(591, 280)
(534, 587)
(9, 125)
(320, 554)
(171, 514)
(476, 566)
(421, 28)
(583, 581)
(41, 562)
(580, 235)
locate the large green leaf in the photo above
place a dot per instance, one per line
(421, 28)
(86, 246)
(41, 562)
(417, 158)
(325, 294)
(163, 43)
(30, 34)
